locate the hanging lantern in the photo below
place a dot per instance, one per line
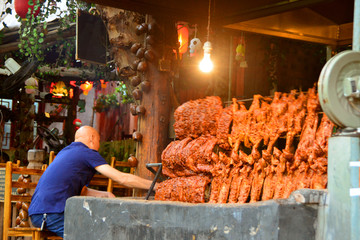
(73, 83)
(240, 52)
(86, 87)
(31, 85)
(58, 89)
(71, 93)
(103, 83)
(195, 47)
(183, 38)
(77, 123)
(22, 8)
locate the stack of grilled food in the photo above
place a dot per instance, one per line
(238, 154)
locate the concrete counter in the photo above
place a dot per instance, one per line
(125, 218)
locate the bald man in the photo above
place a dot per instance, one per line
(69, 174)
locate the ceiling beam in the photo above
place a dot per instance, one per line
(242, 14)
(176, 10)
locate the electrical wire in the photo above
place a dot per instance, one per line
(208, 26)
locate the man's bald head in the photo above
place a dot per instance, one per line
(88, 136)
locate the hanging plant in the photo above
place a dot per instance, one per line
(105, 102)
(34, 27)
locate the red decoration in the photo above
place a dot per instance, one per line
(183, 38)
(103, 83)
(86, 87)
(59, 89)
(22, 7)
(77, 122)
(73, 83)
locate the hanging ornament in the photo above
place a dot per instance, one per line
(195, 45)
(59, 89)
(86, 87)
(71, 93)
(22, 8)
(73, 83)
(183, 37)
(240, 52)
(103, 83)
(31, 85)
(77, 123)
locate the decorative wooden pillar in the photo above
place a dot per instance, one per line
(141, 48)
(154, 123)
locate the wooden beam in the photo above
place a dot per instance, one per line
(52, 36)
(87, 74)
(241, 14)
(191, 11)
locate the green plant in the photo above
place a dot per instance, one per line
(33, 29)
(124, 93)
(105, 102)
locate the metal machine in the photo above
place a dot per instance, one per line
(339, 95)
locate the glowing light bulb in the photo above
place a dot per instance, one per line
(206, 64)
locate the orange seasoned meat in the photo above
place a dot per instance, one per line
(184, 189)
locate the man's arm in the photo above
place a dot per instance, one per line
(126, 179)
(95, 193)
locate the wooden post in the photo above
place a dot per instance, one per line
(153, 124)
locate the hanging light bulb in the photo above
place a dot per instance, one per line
(206, 64)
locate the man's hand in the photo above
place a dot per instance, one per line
(96, 193)
(110, 195)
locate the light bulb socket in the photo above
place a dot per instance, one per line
(207, 47)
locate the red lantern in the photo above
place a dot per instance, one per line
(103, 83)
(77, 123)
(183, 38)
(73, 83)
(22, 7)
(86, 87)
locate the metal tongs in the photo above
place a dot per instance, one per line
(150, 166)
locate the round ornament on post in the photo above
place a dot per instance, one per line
(145, 86)
(134, 64)
(149, 55)
(150, 40)
(136, 80)
(140, 110)
(135, 47)
(137, 136)
(137, 94)
(133, 109)
(140, 52)
(142, 66)
(133, 160)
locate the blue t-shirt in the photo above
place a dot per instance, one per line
(72, 169)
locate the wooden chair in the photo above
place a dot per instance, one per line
(114, 164)
(17, 164)
(102, 181)
(51, 157)
(9, 198)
